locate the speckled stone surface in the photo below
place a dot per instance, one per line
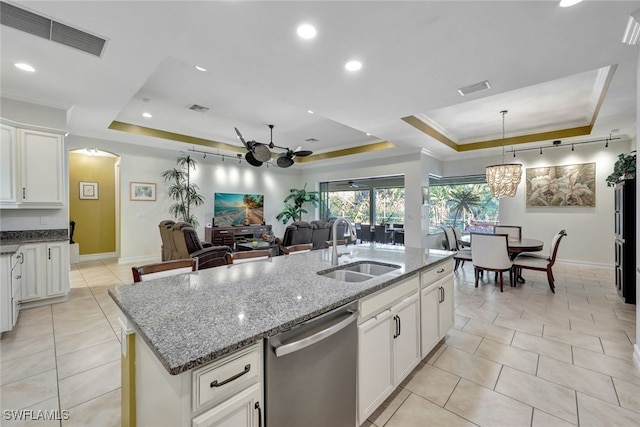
(33, 236)
(192, 319)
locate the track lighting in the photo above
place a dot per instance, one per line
(559, 144)
(572, 148)
(541, 151)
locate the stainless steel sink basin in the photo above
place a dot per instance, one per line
(359, 272)
(373, 269)
(347, 276)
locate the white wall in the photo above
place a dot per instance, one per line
(589, 229)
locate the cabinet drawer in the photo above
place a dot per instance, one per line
(216, 382)
(437, 273)
(387, 297)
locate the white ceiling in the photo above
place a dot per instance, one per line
(542, 61)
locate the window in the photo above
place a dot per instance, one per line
(465, 202)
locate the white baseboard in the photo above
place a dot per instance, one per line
(636, 356)
(584, 263)
(139, 259)
(97, 257)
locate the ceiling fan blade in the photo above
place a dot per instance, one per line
(261, 152)
(242, 139)
(249, 157)
(284, 160)
(303, 153)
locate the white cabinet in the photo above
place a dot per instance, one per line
(8, 165)
(242, 410)
(388, 343)
(436, 307)
(45, 270)
(32, 169)
(225, 393)
(10, 274)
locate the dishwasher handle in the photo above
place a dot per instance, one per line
(285, 349)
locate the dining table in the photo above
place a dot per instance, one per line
(514, 246)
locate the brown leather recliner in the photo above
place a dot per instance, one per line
(168, 246)
(188, 245)
(321, 233)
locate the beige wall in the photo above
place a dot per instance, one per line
(95, 220)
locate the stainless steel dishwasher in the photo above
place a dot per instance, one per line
(310, 372)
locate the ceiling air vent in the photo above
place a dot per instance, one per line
(474, 88)
(41, 26)
(312, 140)
(198, 108)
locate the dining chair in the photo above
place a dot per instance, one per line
(513, 231)
(163, 269)
(458, 234)
(249, 256)
(303, 247)
(462, 254)
(490, 252)
(539, 263)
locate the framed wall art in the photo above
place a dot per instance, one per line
(238, 209)
(556, 186)
(88, 190)
(142, 191)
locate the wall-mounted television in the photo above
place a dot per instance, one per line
(238, 209)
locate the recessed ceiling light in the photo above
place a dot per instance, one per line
(199, 68)
(368, 134)
(25, 67)
(306, 31)
(310, 111)
(353, 65)
(147, 115)
(569, 3)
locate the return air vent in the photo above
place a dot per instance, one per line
(198, 108)
(312, 140)
(474, 88)
(41, 26)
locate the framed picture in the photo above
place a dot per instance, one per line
(88, 190)
(238, 209)
(144, 191)
(567, 185)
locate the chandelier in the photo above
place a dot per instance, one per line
(503, 179)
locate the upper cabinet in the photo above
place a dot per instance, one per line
(32, 169)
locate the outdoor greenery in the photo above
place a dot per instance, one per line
(299, 197)
(462, 205)
(355, 205)
(182, 191)
(625, 167)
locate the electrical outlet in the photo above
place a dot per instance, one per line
(44, 220)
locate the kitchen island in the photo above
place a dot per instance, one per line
(190, 322)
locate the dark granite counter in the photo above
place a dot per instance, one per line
(10, 241)
(192, 319)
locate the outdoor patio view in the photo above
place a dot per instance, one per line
(470, 207)
(356, 205)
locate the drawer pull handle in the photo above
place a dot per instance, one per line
(215, 383)
(440, 271)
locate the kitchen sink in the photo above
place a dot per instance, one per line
(373, 269)
(359, 272)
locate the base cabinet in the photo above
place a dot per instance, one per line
(10, 290)
(242, 410)
(45, 272)
(437, 312)
(388, 343)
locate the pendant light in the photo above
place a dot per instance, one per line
(503, 179)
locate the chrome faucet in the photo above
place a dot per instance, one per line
(335, 255)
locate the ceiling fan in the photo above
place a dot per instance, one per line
(258, 153)
(351, 184)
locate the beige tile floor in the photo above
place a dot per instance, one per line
(524, 357)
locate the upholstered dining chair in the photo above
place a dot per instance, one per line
(513, 231)
(249, 256)
(536, 262)
(163, 269)
(462, 254)
(303, 247)
(491, 252)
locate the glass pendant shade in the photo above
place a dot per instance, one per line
(503, 179)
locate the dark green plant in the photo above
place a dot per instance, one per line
(464, 200)
(299, 197)
(182, 190)
(625, 167)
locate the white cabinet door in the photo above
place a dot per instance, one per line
(57, 262)
(41, 162)
(5, 293)
(242, 410)
(429, 301)
(8, 165)
(375, 363)
(406, 343)
(34, 284)
(446, 307)
(16, 285)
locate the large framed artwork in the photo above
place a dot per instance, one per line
(569, 185)
(238, 209)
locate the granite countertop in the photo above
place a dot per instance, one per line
(10, 241)
(192, 319)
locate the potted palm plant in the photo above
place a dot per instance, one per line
(182, 191)
(299, 197)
